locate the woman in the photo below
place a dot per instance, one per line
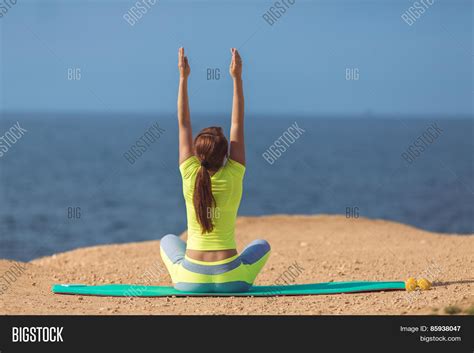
(212, 188)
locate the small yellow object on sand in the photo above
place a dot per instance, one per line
(423, 284)
(410, 284)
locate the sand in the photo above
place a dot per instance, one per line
(327, 248)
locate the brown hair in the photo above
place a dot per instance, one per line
(210, 147)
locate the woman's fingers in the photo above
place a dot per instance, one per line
(181, 56)
(236, 59)
(183, 64)
(235, 66)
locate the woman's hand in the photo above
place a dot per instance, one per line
(235, 68)
(183, 65)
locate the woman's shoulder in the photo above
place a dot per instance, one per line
(189, 166)
(235, 167)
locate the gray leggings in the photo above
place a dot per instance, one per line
(187, 274)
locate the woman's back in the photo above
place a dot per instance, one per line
(227, 191)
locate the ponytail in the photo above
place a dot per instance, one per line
(204, 200)
(210, 147)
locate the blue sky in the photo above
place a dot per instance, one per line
(296, 66)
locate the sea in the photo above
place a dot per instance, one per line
(75, 180)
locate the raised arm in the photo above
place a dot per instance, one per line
(184, 119)
(237, 144)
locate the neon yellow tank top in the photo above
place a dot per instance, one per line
(227, 191)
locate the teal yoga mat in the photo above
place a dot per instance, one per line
(127, 290)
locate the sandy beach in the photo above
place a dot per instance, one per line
(326, 248)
